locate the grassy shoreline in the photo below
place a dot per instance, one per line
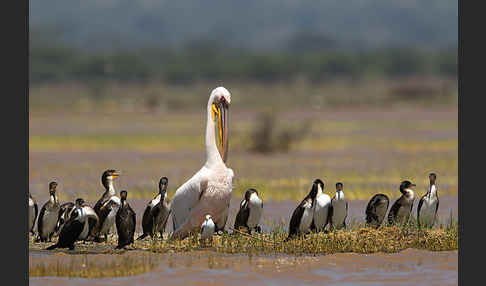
(144, 255)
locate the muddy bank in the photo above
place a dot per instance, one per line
(409, 267)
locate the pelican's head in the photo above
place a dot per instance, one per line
(221, 100)
(432, 178)
(221, 94)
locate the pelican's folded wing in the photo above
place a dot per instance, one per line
(186, 197)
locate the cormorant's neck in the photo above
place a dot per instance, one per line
(408, 193)
(110, 188)
(53, 198)
(162, 192)
(339, 194)
(319, 190)
(432, 190)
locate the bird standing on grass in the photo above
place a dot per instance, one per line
(107, 206)
(46, 226)
(90, 219)
(339, 208)
(376, 210)
(250, 213)
(71, 230)
(125, 222)
(322, 209)
(429, 204)
(402, 208)
(65, 211)
(207, 228)
(33, 211)
(303, 215)
(209, 190)
(157, 212)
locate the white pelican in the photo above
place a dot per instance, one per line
(209, 190)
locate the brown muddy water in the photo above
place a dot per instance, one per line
(409, 267)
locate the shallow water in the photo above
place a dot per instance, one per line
(409, 267)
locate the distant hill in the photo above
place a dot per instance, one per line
(250, 24)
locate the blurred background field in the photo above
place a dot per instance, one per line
(359, 92)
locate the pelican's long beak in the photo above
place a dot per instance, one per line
(223, 130)
(221, 110)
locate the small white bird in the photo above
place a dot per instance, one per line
(207, 228)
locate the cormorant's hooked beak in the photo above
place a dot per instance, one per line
(221, 112)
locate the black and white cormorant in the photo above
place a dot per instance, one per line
(402, 208)
(303, 215)
(429, 204)
(71, 230)
(33, 212)
(107, 206)
(46, 225)
(125, 222)
(376, 210)
(157, 212)
(321, 210)
(65, 211)
(250, 213)
(339, 208)
(90, 219)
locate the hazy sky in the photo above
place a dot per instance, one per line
(255, 24)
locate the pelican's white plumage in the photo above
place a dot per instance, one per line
(209, 190)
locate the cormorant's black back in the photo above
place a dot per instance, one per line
(125, 225)
(69, 233)
(295, 219)
(36, 212)
(147, 222)
(374, 216)
(242, 216)
(393, 213)
(40, 223)
(64, 208)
